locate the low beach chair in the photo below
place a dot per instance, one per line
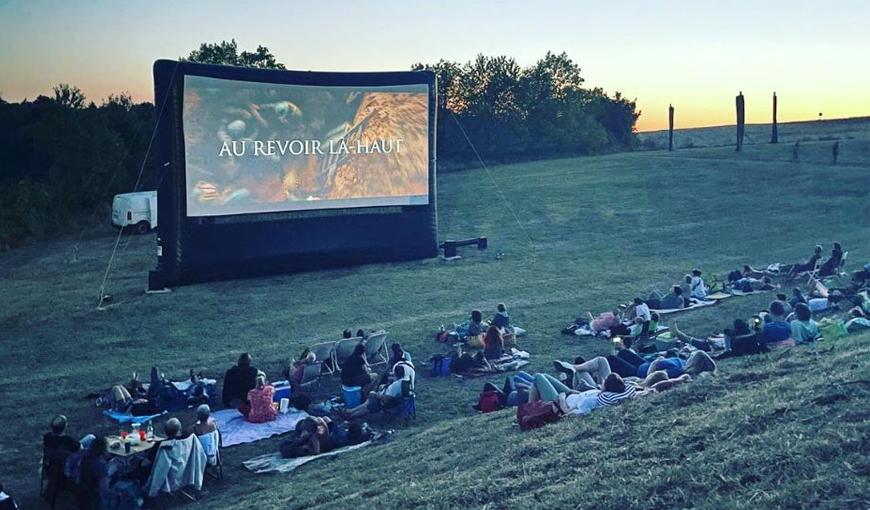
(343, 350)
(324, 354)
(376, 348)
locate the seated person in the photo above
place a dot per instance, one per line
(501, 319)
(385, 399)
(803, 328)
(204, 422)
(398, 354)
(477, 326)
(809, 265)
(687, 287)
(637, 329)
(673, 299)
(259, 408)
(832, 266)
(296, 371)
(786, 307)
(697, 289)
(238, 381)
(93, 475)
(355, 371)
(776, 331)
(57, 440)
(493, 344)
(796, 297)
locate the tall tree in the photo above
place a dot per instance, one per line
(227, 53)
(69, 96)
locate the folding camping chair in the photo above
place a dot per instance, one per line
(180, 465)
(376, 348)
(324, 355)
(812, 275)
(343, 350)
(211, 445)
(407, 408)
(841, 269)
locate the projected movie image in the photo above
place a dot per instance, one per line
(262, 147)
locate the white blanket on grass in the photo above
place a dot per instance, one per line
(274, 463)
(235, 429)
(695, 304)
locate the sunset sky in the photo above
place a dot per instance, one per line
(696, 55)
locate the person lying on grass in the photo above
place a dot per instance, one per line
(753, 284)
(750, 272)
(515, 389)
(389, 397)
(314, 435)
(809, 265)
(603, 322)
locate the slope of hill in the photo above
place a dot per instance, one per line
(855, 128)
(787, 429)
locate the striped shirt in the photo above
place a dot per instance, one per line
(608, 398)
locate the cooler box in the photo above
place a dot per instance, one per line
(282, 390)
(352, 395)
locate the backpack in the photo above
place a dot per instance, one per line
(536, 414)
(489, 401)
(735, 275)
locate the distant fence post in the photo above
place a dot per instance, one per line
(670, 128)
(774, 135)
(741, 117)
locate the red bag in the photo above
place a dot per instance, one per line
(536, 414)
(489, 401)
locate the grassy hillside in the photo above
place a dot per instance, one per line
(856, 128)
(594, 231)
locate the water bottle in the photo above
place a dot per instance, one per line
(150, 432)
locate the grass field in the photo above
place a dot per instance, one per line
(783, 430)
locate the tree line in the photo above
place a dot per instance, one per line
(63, 158)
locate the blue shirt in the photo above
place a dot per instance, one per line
(673, 366)
(776, 331)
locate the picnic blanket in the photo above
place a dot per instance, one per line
(695, 304)
(510, 362)
(235, 429)
(123, 418)
(737, 292)
(718, 296)
(274, 463)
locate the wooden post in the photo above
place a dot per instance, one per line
(670, 128)
(741, 118)
(774, 135)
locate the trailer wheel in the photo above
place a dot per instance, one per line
(143, 227)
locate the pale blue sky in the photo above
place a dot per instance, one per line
(694, 54)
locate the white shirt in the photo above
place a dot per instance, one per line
(394, 389)
(410, 373)
(582, 403)
(642, 311)
(697, 286)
